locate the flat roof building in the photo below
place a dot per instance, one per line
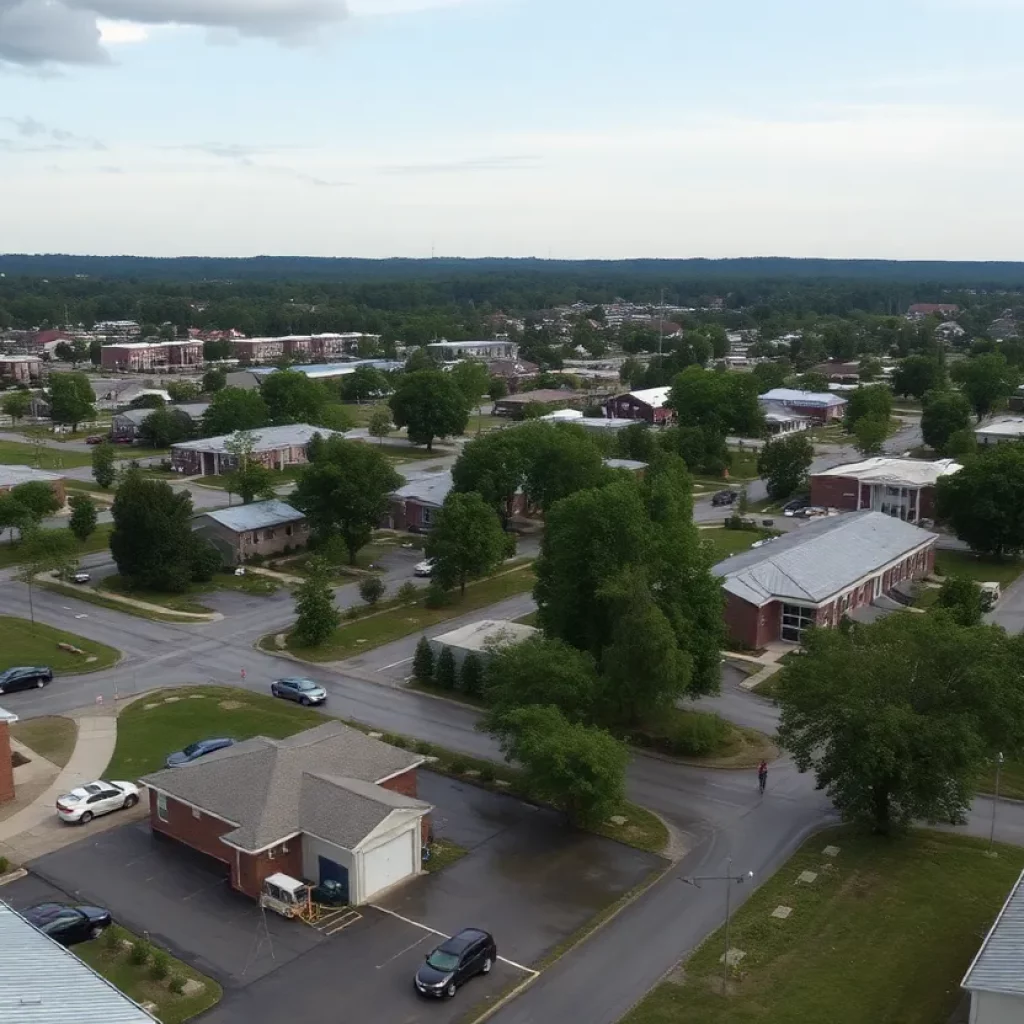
(482, 638)
(453, 351)
(819, 406)
(1006, 428)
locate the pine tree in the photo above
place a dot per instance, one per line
(423, 662)
(471, 677)
(445, 676)
(314, 604)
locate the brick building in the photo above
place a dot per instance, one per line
(818, 573)
(261, 528)
(276, 448)
(329, 803)
(142, 356)
(7, 719)
(819, 407)
(647, 405)
(904, 488)
(514, 406)
(21, 369)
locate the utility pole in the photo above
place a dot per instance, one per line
(995, 804)
(732, 879)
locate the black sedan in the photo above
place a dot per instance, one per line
(25, 678)
(68, 925)
(303, 691)
(724, 498)
(463, 956)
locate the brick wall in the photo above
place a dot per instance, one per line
(6, 769)
(834, 491)
(253, 868)
(751, 625)
(406, 785)
(201, 833)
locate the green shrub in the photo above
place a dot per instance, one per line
(445, 672)
(423, 662)
(688, 734)
(5, 865)
(408, 592)
(423, 747)
(160, 966)
(176, 984)
(371, 589)
(399, 741)
(141, 952)
(457, 765)
(487, 773)
(436, 597)
(112, 938)
(471, 675)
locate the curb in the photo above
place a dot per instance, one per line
(13, 876)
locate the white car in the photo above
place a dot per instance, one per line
(424, 568)
(81, 805)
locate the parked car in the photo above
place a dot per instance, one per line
(455, 961)
(330, 892)
(724, 497)
(424, 568)
(196, 750)
(81, 805)
(97, 438)
(25, 678)
(812, 511)
(68, 925)
(81, 577)
(791, 508)
(990, 594)
(303, 691)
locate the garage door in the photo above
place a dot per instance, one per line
(389, 863)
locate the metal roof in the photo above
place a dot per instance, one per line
(817, 561)
(44, 983)
(896, 472)
(997, 966)
(654, 397)
(634, 465)
(791, 396)
(256, 516)
(1008, 426)
(295, 435)
(427, 489)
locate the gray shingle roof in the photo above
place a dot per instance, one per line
(139, 416)
(294, 435)
(427, 488)
(255, 516)
(998, 965)
(818, 560)
(257, 784)
(44, 983)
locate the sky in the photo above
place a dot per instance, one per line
(553, 128)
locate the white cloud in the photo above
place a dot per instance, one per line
(117, 33)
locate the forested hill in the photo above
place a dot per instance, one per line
(585, 273)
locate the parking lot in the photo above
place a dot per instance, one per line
(527, 879)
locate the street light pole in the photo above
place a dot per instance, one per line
(995, 801)
(695, 881)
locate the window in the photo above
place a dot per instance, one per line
(287, 531)
(795, 620)
(428, 517)
(161, 806)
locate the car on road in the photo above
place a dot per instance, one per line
(196, 750)
(724, 498)
(68, 925)
(302, 691)
(463, 956)
(86, 802)
(81, 577)
(25, 677)
(791, 508)
(97, 438)
(424, 568)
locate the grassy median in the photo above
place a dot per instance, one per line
(22, 643)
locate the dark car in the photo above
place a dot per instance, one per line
(97, 438)
(196, 750)
(25, 678)
(455, 961)
(724, 498)
(68, 925)
(794, 506)
(304, 691)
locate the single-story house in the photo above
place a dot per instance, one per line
(998, 431)
(514, 406)
(276, 448)
(13, 476)
(45, 983)
(814, 575)
(634, 466)
(329, 803)
(821, 407)
(119, 392)
(261, 528)
(125, 426)
(647, 405)
(482, 638)
(995, 979)
(7, 719)
(904, 488)
(779, 420)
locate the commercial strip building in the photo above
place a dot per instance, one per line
(147, 356)
(275, 448)
(818, 407)
(262, 528)
(453, 351)
(816, 574)
(14, 476)
(327, 804)
(647, 405)
(904, 488)
(999, 431)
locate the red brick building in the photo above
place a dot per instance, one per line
(647, 405)
(143, 356)
(816, 574)
(6, 767)
(904, 488)
(276, 448)
(328, 803)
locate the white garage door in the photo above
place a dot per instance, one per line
(388, 863)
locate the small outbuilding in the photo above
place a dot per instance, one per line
(482, 638)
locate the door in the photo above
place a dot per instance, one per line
(388, 863)
(332, 871)
(108, 800)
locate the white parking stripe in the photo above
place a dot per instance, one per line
(434, 931)
(401, 952)
(394, 664)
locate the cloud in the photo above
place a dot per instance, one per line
(118, 33)
(34, 32)
(238, 154)
(489, 163)
(35, 137)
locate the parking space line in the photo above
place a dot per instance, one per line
(434, 931)
(401, 952)
(394, 664)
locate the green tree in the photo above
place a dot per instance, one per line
(429, 404)
(83, 516)
(783, 463)
(915, 376)
(961, 597)
(183, 391)
(962, 444)
(345, 490)
(316, 616)
(869, 369)
(293, 397)
(577, 768)
(471, 675)
(37, 499)
(494, 466)
(214, 380)
(770, 375)
(497, 389)
(723, 402)
(560, 459)
(423, 662)
(364, 384)
(104, 470)
(73, 352)
(466, 541)
(147, 402)
(445, 674)
(71, 399)
(472, 379)
(871, 432)
(816, 382)
(874, 401)
(16, 404)
(371, 589)
(982, 502)
(164, 427)
(944, 413)
(985, 380)
(380, 424)
(703, 449)
(234, 409)
(45, 551)
(250, 478)
(897, 719)
(204, 560)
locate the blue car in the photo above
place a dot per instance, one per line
(194, 751)
(303, 691)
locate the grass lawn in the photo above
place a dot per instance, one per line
(360, 413)
(22, 643)
(17, 454)
(136, 981)
(481, 423)
(374, 630)
(729, 542)
(147, 734)
(831, 434)
(883, 936)
(248, 584)
(1011, 780)
(401, 453)
(91, 597)
(443, 852)
(10, 554)
(52, 737)
(91, 486)
(978, 567)
(278, 478)
(743, 464)
(128, 451)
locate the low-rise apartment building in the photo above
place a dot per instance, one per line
(275, 448)
(141, 356)
(21, 369)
